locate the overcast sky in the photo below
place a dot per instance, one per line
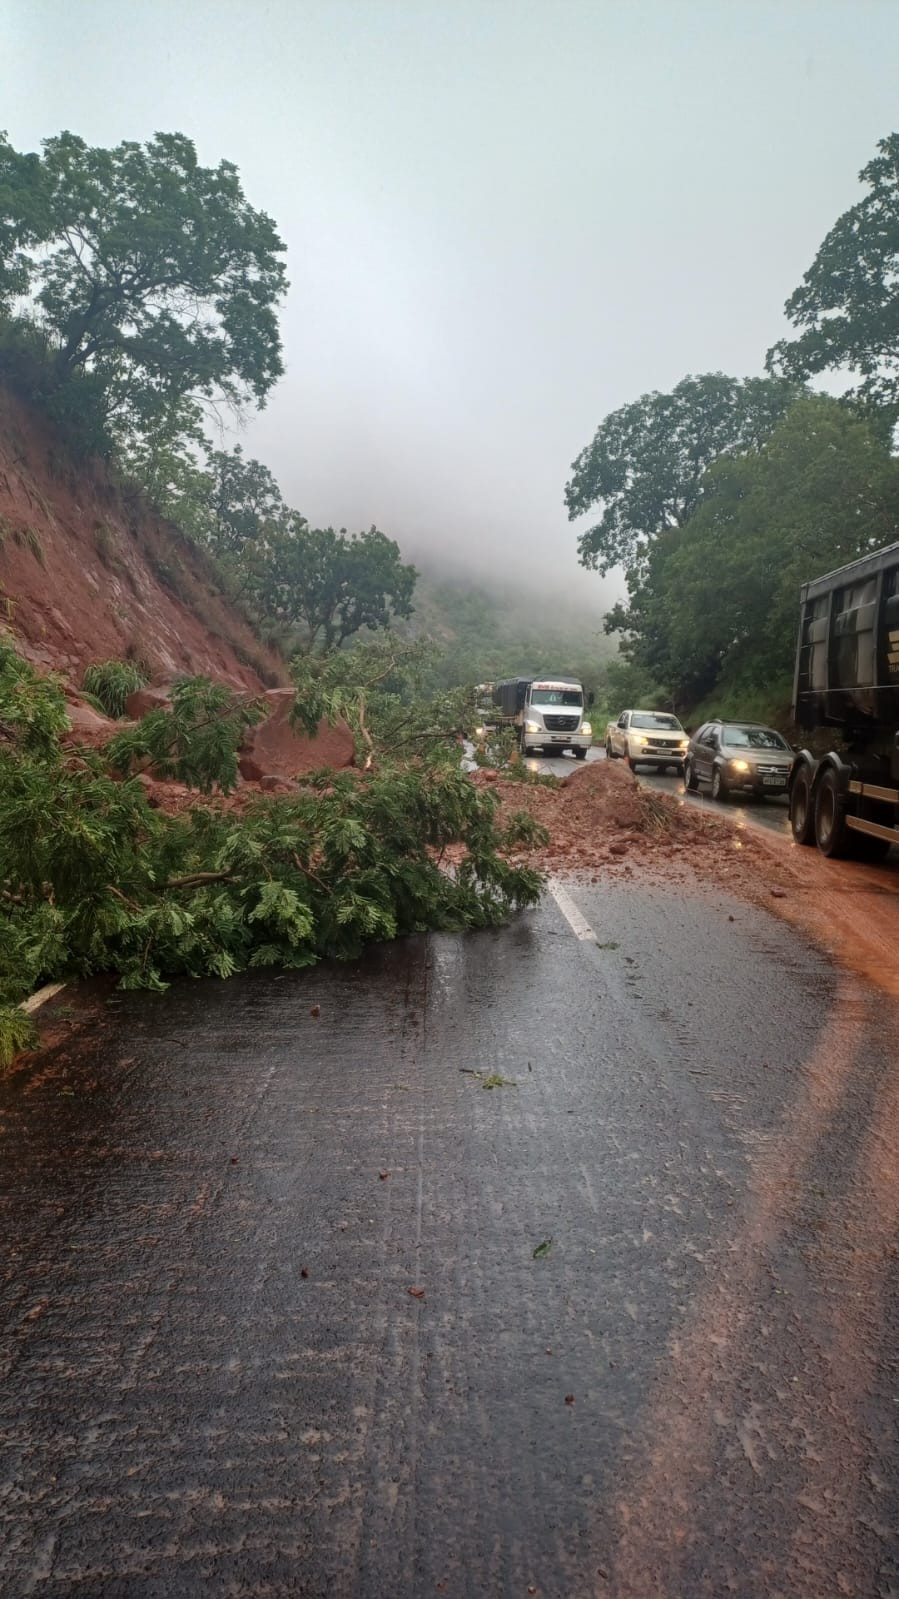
(503, 219)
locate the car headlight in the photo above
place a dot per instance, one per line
(532, 727)
(740, 766)
(586, 728)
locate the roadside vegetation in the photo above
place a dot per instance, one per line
(720, 498)
(95, 879)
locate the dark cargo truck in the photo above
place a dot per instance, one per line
(847, 677)
(546, 712)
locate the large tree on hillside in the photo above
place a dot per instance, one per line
(645, 465)
(846, 309)
(721, 595)
(329, 584)
(153, 273)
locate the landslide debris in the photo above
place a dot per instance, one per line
(601, 821)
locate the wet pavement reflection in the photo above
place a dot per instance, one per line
(506, 1264)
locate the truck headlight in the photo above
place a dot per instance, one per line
(684, 743)
(643, 743)
(532, 727)
(739, 766)
(586, 728)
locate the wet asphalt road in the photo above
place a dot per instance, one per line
(271, 1320)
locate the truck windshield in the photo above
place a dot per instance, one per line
(557, 696)
(657, 719)
(755, 738)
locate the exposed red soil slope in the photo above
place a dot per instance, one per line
(89, 573)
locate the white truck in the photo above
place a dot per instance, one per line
(647, 738)
(548, 713)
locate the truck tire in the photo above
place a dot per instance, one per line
(610, 753)
(720, 790)
(632, 763)
(802, 807)
(832, 836)
(580, 755)
(525, 752)
(691, 781)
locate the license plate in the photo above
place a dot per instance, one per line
(774, 782)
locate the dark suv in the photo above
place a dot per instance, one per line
(738, 757)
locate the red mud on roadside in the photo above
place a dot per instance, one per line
(603, 825)
(601, 822)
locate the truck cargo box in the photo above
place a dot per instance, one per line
(847, 661)
(509, 696)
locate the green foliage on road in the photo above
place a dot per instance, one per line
(95, 879)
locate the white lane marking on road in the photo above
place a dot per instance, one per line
(579, 925)
(41, 997)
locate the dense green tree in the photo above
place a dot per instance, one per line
(847, 307)
(243, 502)
(23, 220)
(719, 598)
(326, 584)
(154, 273)
(645, 465)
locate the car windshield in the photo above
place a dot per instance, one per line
(656, 719)
(754, 738)
(557, 696)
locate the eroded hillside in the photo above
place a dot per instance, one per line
(89, 572)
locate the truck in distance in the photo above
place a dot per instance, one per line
(647, 738)
(547, 712)
(847, 678)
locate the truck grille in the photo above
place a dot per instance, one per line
(664, 743)
(561, 724)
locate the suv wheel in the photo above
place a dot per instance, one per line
(691, 781)
(719, 786)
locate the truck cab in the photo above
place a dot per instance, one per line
(549, 713)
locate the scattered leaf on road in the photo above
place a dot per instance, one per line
(303, 1272)
(416, 1293)
(612, 944)
(383, 1174)
(495, 1081)
(316, 1010)
(543, 1249)
(569, 1399)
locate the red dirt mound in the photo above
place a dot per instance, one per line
(601, 820)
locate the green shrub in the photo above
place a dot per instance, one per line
(110, 682)
(93, 879)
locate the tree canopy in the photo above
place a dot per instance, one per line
(846, 309)
(329, 584)
(147, 270)
(718, 599)
(646, 462)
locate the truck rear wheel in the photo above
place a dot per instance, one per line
(832, 836)
(802, 809)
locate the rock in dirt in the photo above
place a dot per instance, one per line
(276, 749)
